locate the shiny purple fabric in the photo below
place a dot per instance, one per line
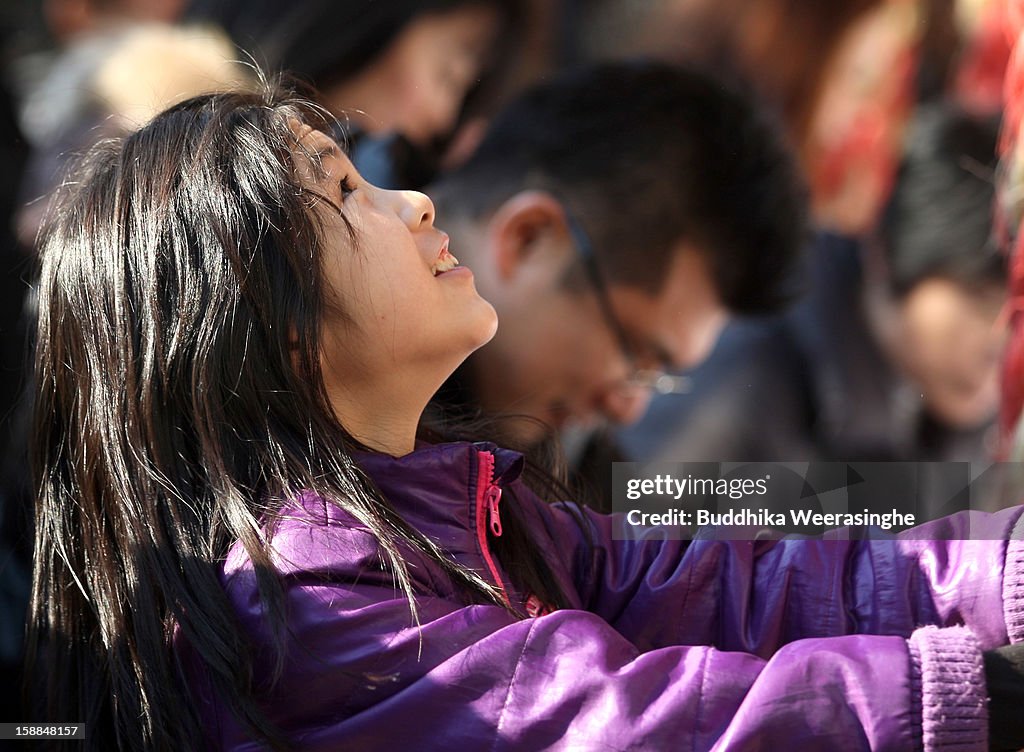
(798, 644)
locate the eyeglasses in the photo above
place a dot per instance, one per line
(653, 379)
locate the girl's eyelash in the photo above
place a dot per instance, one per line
(347, 187)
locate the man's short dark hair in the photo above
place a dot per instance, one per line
(649, 154)
(938, 221)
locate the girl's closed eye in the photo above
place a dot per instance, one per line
(347, 187)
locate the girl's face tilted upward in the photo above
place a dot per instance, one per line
(400, 312)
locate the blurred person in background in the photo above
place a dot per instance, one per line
(846, 78)
(893, 352)
(76, 36)
(614, 217)
(399, 71)
(118, 63)
(844, 75)
(788, 49)
(785, 46)
(1011, 220)
(69, 20)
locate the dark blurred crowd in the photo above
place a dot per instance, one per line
(889, 344)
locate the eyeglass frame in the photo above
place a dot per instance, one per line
(656, 380)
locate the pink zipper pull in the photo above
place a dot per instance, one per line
(492, 498)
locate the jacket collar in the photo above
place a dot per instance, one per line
(429, 459)
(434, 487)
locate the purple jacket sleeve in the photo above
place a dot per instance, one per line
(358, 675)
(755, 597)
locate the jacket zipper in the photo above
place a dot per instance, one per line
(488, 496)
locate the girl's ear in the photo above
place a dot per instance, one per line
(518, 228)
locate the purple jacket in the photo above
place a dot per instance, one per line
(799, 644)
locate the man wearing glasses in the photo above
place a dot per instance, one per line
(614, 217)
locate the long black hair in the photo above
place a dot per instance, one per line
(179, 402)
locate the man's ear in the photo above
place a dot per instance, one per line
(523, 225)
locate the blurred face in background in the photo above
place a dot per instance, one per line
(949, 343)
(416, 87)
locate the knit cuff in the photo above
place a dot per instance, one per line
(954, 714)
(1013, 583)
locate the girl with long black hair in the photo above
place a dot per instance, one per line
(243, 543)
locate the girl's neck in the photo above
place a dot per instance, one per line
(383, 428)
(382, 416)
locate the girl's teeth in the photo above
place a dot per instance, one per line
(448, 263)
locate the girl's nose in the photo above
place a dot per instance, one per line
(416, 209)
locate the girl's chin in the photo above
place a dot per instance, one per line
(492, 327)
(484, 324)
